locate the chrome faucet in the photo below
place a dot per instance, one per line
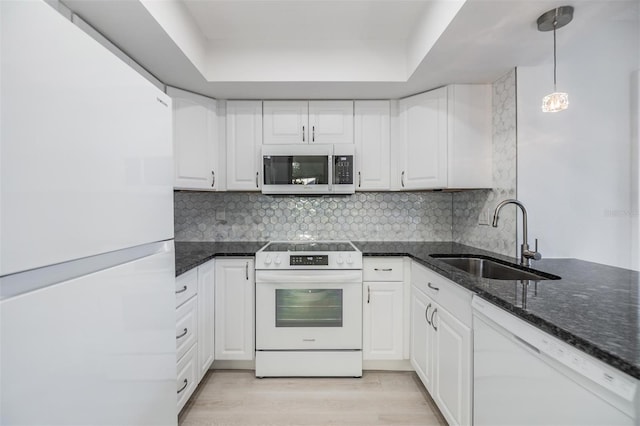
(525, 254)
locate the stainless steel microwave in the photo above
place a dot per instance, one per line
(308, 169)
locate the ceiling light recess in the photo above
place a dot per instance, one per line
(551, 21)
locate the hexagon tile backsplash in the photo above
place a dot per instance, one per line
(364, 216)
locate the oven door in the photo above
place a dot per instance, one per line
(308, 310)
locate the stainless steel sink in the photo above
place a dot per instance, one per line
(492, 269)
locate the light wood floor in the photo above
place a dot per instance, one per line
(236, 397)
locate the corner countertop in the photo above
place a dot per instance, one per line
(593, 307)
(192, 254)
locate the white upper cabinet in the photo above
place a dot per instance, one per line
(331, 121)
(445, 138)
(423, 140)
(244, 139)
(196, 146)
(286, 122)
(470, 136)
(372, 140)
(295, 122)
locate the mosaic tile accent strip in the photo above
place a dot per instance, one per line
(470, 205)
(364, 216)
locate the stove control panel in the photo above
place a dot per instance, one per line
(315, 260)
(319, 255)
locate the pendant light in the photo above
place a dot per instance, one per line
(553, 20)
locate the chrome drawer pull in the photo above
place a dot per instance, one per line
(184, 288)
(426, 314)
(433, 324)
(184, 333)
(186, 382)
(383, 269)
(432, 287)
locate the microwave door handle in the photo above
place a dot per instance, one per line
(330, 180)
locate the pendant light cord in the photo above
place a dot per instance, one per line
(555, 23)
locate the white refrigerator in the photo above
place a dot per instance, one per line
(87, 304)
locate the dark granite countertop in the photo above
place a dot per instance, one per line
(191, 254)
(593, 307)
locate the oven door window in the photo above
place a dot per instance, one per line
(296, 170)
(309, 307)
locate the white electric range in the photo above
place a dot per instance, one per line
(309, 309)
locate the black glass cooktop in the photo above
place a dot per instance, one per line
(310, 246)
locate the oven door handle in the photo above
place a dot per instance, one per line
(349, 276)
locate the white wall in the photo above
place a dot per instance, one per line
(575, 168)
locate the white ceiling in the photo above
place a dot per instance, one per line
(306, 19)
(363, 49)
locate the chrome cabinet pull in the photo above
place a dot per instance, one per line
(213, 178)
(302, 133)
(426, 314)
(246, 271)
(257, 175)
(184, 333)
(368, 293)
(433, 324)
(432, 287)
(383, 269)
(359, 180)
(186, 382)
(313, 133)
(184, 288)
(402, 179)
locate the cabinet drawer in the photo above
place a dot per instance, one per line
(186, 326)
(449, 295)
(186, 286)
(382, 269)
(187, 376)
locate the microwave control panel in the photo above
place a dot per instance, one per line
(343, 170)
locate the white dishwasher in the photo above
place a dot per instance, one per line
(523, 376)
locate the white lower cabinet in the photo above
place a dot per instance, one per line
(383, 319)
(194, 328)
(441, 343)
(234, 311)
(187, 376)
(206, 317)
(421, 337)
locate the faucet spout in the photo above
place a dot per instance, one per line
(525, 254)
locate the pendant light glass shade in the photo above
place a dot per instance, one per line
(551, 21)
(557, 101)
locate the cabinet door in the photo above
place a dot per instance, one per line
(423, 140)
(382, 320)
(195, 140)
(422, 337)
(286, 122)
(206, 317)
(372, 145)
(244, 138)
(452, 367)
(234, 309)
(470, 136)
(331, 121)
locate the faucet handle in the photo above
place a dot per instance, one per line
(535, 255)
